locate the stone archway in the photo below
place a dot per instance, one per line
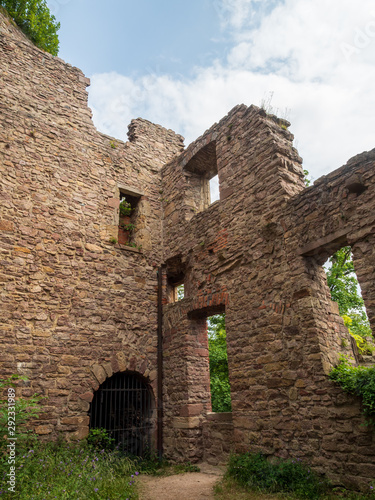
(123, 406)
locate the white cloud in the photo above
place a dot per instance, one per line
(238, 14)
(317, 58)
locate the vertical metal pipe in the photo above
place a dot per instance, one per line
(160, 366)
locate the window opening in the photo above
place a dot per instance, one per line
(203, 178)
(123, 406)
(346, 291)
(175, 270)
(218, 358)
(177, 292)
(180, 289)
(214, 189)
(127, 219)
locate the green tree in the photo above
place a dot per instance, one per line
(219, 377)
(343, 284)
(36, 21)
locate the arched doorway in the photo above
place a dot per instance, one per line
(123, 406)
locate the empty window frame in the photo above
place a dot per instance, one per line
(202, 177)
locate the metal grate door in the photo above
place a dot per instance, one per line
(122, 406)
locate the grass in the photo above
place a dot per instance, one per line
(229, 489)
(253, 470)
(251, 476)
(70, 471)
(152, 466)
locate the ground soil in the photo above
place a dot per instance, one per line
(188, 486)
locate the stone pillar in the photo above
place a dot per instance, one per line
(187, 396)
(364, 265)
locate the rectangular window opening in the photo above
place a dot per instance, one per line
(346, 291)
(202, 178)
(127, 219)
(178, 292)
(214, 189)
(218, 359)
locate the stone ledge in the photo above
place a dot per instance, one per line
(186, 422)
(127, 248)
(225, 417)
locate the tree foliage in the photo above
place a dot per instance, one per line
(36, 21)
(343, 284)
(219, 377)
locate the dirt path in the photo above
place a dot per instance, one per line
(188, 486)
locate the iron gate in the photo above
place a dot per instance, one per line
(122, 406)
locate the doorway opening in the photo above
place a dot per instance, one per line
(346, 291)
(123, 407)
(218, 359)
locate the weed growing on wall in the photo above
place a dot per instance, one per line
(24, 410)
(360, 381)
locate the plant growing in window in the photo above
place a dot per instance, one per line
(125, 208)
(125, 226)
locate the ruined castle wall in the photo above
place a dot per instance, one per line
(250, 254)
(75, 308)
(338, 211)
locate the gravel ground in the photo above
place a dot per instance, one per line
(188, 486)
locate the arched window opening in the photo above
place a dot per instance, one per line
(123, 407)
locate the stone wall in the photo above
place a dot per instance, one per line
(257, 254)
(217, 438)
(77, 308)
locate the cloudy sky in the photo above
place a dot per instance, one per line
(185, 64)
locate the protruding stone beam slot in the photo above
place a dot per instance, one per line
(355, 185)
(202, 169)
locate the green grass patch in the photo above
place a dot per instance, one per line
(251, 476)
(254, 471)
(152, 466)
(229, 489)
(70, 471)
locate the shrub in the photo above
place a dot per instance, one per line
(125, 208)
(360, 381)
(254, 471)
(100, 439)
